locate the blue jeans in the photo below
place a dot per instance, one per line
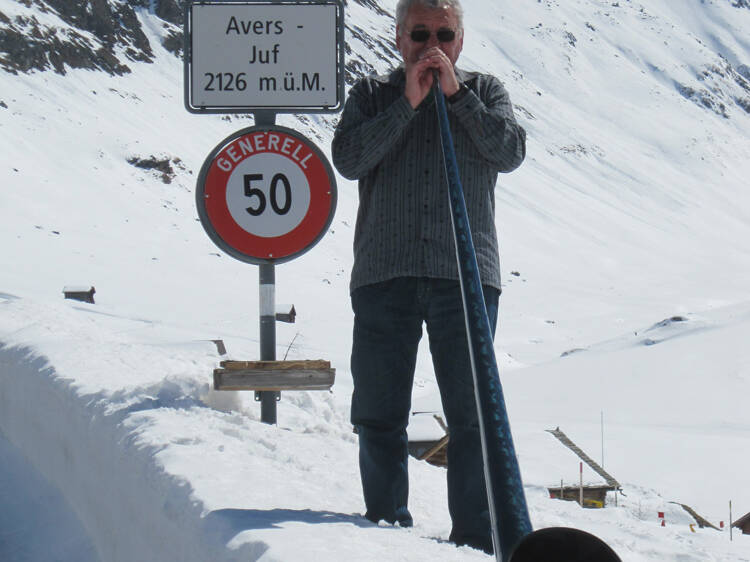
(388, 319)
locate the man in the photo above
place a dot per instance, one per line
(405, 271)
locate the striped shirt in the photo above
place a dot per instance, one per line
(403, 223)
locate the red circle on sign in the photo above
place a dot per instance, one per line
(237, 151)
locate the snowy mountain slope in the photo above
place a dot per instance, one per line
(632, 208)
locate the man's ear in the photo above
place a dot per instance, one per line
(398, 38)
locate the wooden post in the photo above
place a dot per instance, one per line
(580, 496)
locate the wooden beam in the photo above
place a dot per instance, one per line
(275, 365)
(565, 440)
(702, 521)
(274, 375)
(432, 451)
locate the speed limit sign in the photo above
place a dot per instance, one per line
(266, 194)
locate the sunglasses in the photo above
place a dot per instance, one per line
(422, 35)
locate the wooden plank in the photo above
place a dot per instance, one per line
(274, 379)
(565, 440)
(702, 521)
(432, 451)
(275, 365)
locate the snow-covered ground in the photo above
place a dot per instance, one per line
(625, 241)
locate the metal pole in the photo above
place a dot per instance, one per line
(602, 438)
(267, 275)
(730, 520)
(267, 337)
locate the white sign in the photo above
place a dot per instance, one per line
(280, 195)
(259, 55)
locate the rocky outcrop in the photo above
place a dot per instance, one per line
(719, 85)
(93, 34)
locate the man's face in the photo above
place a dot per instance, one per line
(430, 19)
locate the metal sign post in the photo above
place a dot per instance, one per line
(267, 301)
(267, 285)
(265, 194)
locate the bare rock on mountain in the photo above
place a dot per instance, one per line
(93, 34)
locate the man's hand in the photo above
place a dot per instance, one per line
(419, 78)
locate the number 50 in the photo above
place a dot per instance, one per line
(251, 191)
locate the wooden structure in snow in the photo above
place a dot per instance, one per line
(434, 451)
(272, 376)
(593, 496)
(743, 524)
(83, 294)
(702, 522)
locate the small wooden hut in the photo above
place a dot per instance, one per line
(593, 495)
(80, 293)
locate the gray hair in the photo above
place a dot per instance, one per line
(403, 7)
